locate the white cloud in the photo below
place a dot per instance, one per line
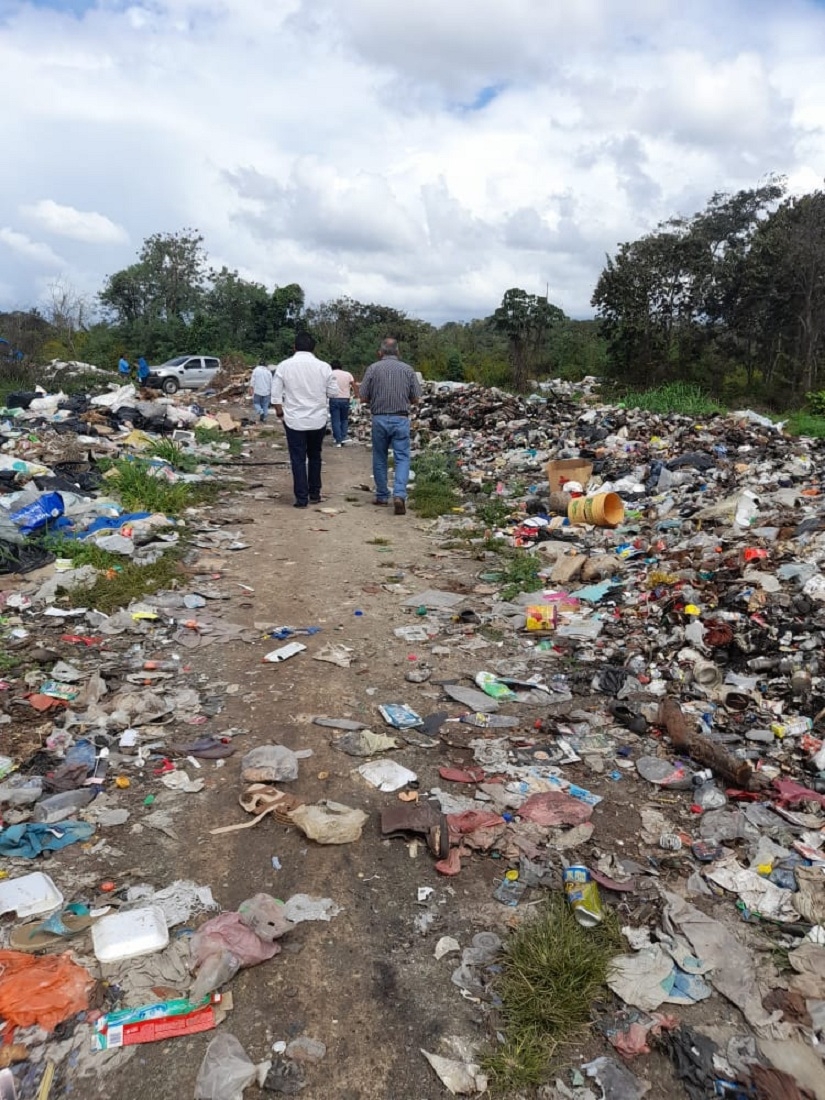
(33, 252)
(336, 145)
(80, 225)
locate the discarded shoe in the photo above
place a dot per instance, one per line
(423, 818)
(629, 718)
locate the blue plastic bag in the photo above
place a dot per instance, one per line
(37, 514)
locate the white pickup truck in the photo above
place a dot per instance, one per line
(184, 372)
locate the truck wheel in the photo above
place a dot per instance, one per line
(170, 385)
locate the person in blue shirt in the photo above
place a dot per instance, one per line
(143, 370)
(123, 368)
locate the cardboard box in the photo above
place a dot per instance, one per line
(568, 469)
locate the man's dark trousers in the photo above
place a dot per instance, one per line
(305, 459)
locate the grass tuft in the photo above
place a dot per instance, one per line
(140, 491)
(433, 492)
(520, 571)
(82, 553)
(119, 585)
(219, 438)
(804, 423)
(175, 455)
(675, 397)
(553, 970)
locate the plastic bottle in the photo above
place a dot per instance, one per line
(60, 806)
(21, 790)
(793, 727)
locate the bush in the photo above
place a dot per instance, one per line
(675, 397)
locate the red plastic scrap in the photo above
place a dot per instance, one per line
(555, 808)
(463, 775)
(451, 865)
(792, 793)
(81, 639)
(470, 820)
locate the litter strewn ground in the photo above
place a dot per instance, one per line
(657, 725)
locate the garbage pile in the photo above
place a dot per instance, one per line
(56, 457)
(101, 725)
(666, 659)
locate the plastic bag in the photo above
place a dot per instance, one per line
(217, 970)
(266, 917)
(43, 991)
(269, 764)
(226, 1070)
(37, 514)
(329, 822)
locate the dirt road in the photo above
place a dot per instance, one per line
(365, 984)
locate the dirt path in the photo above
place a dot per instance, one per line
(362, 983)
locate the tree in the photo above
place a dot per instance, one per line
(166, 283)
(239, 310)
(785, 280)
(526, 320)
(679, 297)
(69, 314)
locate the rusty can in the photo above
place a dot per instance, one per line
(583, 896)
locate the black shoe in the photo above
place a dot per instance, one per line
(400, 506)
(298, 504)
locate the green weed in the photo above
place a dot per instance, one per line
(675, 397)
(434, 489)
(379, 542)
(82, 553)
(139, 491)
(520, 572)
(121, 584)
(804, 423)
(552, 972)
(8, 661)
(175, 455)
(494, 511)
(218, 438)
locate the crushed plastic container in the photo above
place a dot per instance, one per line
(130, 934)
(29, 895)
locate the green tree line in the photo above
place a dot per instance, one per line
(732, 298)
(171, 302)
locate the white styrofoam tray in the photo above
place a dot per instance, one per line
(127, 935)
(29, 895)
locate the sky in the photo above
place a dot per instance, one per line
(418, 153)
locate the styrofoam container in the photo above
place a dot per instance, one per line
(127, 935)
(29, 895)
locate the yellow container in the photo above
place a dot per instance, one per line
(601, 510)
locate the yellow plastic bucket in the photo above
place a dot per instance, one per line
(601, 510)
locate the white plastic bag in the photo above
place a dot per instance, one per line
(225, 1071)
(269, 764)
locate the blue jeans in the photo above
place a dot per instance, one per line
(261, 403)
(391, 431)
(305, 460)
(339, 415)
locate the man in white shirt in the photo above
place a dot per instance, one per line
(301, 389)
(260, 385)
